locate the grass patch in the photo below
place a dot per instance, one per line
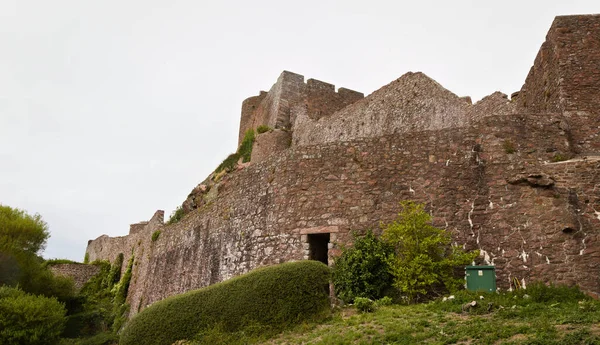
(245, 150)
(176, 216)
(559, 158)
(263, 129)
(509, 147)
(53, 262)
(155, 235)
(228, 163)
(541, 315)
(265, 300)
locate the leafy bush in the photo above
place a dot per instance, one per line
(275, 296)
(362, 270)
(386, 300)
(263, 129)
(176, 215)
(86, 258)
(365, 305)
(37, 279)
(29, 320)
(245, 150)
(155, 235)
(424, 261)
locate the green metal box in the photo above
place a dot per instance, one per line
(481, 278)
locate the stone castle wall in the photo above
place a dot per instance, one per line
(472, 187)
(564, 78)
(509, 178)
(80, 273)
(277, 107)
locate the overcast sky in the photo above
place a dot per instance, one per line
(110, 110)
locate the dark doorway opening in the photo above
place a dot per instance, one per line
(318, 247)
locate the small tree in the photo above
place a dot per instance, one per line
(424, 261)
(362, 270)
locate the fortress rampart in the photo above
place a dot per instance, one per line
(277, 108)
(517, 179)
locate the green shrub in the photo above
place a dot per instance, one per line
(362, 270)
(275, 296)
(245, 150)
(263, 129)
(424, 260)
(176, 215)
(155, 235)
(229, 163)
(28, 319)
(365, 305)
(86, 258)
(386, 300)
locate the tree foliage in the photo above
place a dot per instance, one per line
(362, 270)
(22, 238)
(28, 319)
(21, 232)
(425, 261)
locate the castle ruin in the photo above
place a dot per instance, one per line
(518, 178)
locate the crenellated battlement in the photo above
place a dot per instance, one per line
(288, 97)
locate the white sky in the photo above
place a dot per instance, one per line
(110, 110)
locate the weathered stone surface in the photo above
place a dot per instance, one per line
(80, 273)
(269, 143)
(487, 173)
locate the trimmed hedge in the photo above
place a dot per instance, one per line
(277, 296)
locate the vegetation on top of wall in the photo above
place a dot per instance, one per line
(267, 298)
(155, 235)
(86, 258)
(29, 319)
(53, 262)
(176, 215)
(263, 129)
(362, 270)
(228, 163)
(245, 150)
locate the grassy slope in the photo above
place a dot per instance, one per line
(529, 322)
